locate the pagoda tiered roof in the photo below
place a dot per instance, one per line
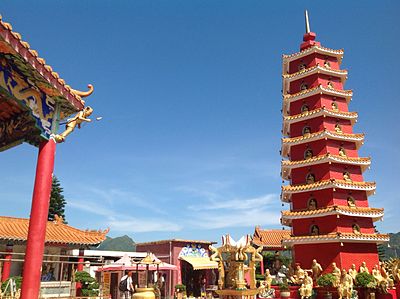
(288, 190)
(358, 139)
(16, 230)
(314, 49)
(288, 98)
(336, 237)
(316, 70)
(269, 238)
(374, 213)
(290, 119)
(288, 165)
(53, 85)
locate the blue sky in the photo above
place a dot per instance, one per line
(190, 95)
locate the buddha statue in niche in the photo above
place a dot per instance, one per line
(304, 108)
(308, 154)
(356, 229)
(312, 204)
(314, 230)
(342, 152)
(346, 176)
(338, 128)
(306, 131)
(351, 202)
(334, 107)
(310, 179)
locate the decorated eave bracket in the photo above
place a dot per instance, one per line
(31, 104)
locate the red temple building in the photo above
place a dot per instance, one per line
(329, 214)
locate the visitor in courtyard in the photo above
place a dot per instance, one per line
(128, 286)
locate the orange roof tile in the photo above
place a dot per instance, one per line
(269, 238)
(319, 88)
(336, 237)
(314, 49)
(16, 229)
(320, 111)
(325, 184)
(314, 69)
(375, 213)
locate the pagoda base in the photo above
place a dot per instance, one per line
(237, 294)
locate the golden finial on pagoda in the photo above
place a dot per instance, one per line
(307, 21)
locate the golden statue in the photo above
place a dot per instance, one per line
(265, 285)
(310, 179)
(363, 268)
(330, 84)
(327, 64)
(337, 273)
(316, 270)
(334, 107)
(298, 275)
(314, 230)
(304, 108)
(77, 120)
(345, 287)
(353, 272)
(338, 128)
(312, 204)
(346, 177)
(342, 152)
(307, 286)
(356, 230)
(306, 131)
(351, 202)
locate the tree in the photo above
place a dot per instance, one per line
(57, 201)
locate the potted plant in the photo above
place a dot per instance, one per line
(284, 289)
(326, 282)
(90, 288)
(368, 283)
(180, 291)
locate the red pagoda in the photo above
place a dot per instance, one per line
(329, 212)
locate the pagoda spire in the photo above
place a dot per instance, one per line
(307, 22)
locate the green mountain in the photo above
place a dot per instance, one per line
(393, 250)
(123, 243)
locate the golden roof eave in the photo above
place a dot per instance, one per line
(337, 237)
(288, 165)
(22, 48)
(288, 98)
(314, 49)
(366, 212)
(316, 69)
(290, 119)
(288, 190)
(324, 134)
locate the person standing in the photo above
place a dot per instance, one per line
(126, 286)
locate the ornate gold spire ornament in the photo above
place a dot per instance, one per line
(84, 94)
(307, 21)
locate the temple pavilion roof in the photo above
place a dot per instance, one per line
(336, 237)
(316, 70)
(374, 213)
(11, 43)
(269, 238)
(15, 230)
(324, 134)
(288, 190)
(314, 49)
(288, 98)
(290, 119)
(288, 165)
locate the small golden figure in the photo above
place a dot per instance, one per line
(351, 202)
(356, 230)
(327, 64)
(77, 120)
(265, 285)
(338, 128)
(342, 152)
(335, 107)
(316, 270)
(298, 275)
(330, 84)
(312, 205)
(308, 154)
(306, 131)
(307, 286)
(314, 230)
(310, 179)
(346, 176)
(337, 273)
(353, 272)
(363, 268)
(345, 287)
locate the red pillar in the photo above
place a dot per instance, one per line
(262, 266)
(5, 274)
(38, 221)
(80, 268)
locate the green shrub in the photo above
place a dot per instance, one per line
(327, 280)
(365, 280)
(180, 287)
(283, 286)
(90, 287)
(17, 280)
